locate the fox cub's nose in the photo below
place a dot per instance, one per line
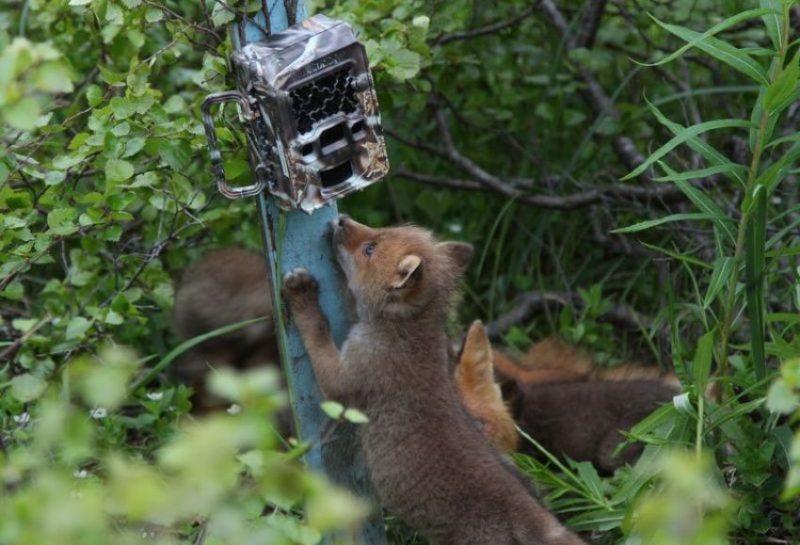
(339, 223)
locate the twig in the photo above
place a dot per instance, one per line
(528, 303)
(590, 22)
(484, 30)
(486, 180)
(17, 344)
(593, 93)
(555, 202)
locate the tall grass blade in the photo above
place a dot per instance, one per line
(783, 90)
(701, 364)
(682, 136)
(714, 30)
(723, 268)
(703, 148)
(720, 50)
(776, 172)
(701, 173)
(704, 203)
(179, 350)
(772, 21)
(649, 224)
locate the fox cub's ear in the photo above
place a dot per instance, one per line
(406, 269)
(459, 252)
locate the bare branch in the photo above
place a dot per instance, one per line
(498, 185)
(484, 30)
(529, 303)
(593, 94)
(590, 22)
(555, 202)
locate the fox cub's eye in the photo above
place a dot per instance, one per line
(369, 247)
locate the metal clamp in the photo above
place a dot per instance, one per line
(231, 192)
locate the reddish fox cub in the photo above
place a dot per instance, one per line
(553, 360)
(564, 402)
(427, 459)
(481, 395)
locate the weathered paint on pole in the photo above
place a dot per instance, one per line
(296, 239)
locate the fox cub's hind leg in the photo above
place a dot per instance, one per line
(301, 292)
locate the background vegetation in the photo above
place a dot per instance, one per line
(511, 124)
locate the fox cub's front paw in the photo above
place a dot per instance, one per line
(300, 289)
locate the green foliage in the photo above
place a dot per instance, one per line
(106, 195)
(691, 507)
(74, 474)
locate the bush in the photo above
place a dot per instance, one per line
(510, 126)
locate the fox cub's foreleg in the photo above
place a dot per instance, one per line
(301, 292)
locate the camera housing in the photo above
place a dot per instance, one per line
(313, 123)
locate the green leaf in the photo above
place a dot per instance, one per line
(355, 416)
(784, 89)
(22, 115)
(77, 328)
(644, 225)
(755, 245)
(94, 95)
(701, 365)
(176, 154)
(123, 107)
(133, 146)
(114, 318)
(781, 399)
(772, 21)
(333, 409)
(699, 174)
(106, 384)
(61, 221)
(53, 77)
(700, 146)
(716, 29)
(118, 170)
(683, 136)
(234, 168)
(704, 203)
(121, 129)
(590, 478)
(54, 177)
(403, 64)
(723, 268)
(153, 15)
(27, 387)
(654, 420)
(222, 14)
(722, 51)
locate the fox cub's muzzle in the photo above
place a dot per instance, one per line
(348, 234)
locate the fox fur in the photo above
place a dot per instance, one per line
(553, 360)
(224, 287)
(428, 461)
(565, 404)
(481, 395)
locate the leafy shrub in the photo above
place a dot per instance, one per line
(510, 126)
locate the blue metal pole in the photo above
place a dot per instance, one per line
(296, 239)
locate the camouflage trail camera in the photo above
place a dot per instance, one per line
(312, 121)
